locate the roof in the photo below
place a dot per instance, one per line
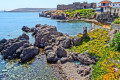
(116, 2)
(106, 1)
(103, 6)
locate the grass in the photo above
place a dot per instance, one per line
(117, 20)
(84, 13)
(108, 65)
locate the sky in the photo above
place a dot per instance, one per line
(14, 4)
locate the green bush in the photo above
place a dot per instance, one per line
(85, 13)
(117, 20)
(115, 43)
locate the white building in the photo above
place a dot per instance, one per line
(116, 9)
(109, 7)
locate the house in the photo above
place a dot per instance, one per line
(105, 6)
(115, 9)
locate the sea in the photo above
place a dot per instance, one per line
(37, 69)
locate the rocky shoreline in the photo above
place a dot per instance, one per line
(55, 45)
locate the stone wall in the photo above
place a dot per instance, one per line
(77, 5)
(115, 26)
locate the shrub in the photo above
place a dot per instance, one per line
(115, 43)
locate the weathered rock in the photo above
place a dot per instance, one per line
(9, 51)
(64, 60)
(58, 16)
(52, 57)
(38, 25)
(84, 71)
(77, 15)
(28, 53)
(76, 40)
(66, 43)
(85, 35)
(3, 41)
(48, 48)
(112, 33)
(26, 29)
(60, 51)
(44, 35)
(84, 58)
(23, 37)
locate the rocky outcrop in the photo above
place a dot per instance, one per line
(77, 15)
(112, 33)
(14, 48)
(84, 58)
(55, 43)
(27, 29)
(76, 40)
(61, 52)
(51, 57)
(28, 53)
(58, 16)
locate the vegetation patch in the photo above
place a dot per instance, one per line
(117, 20)
(84, 13)
(108, 65)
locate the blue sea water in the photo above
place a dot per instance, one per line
(10, 27)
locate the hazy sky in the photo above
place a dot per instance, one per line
(13, 4)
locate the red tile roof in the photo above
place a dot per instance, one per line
(116, 2)
(103, 6)
(106, 1)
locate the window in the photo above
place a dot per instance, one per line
(119, 4)
(113, 4)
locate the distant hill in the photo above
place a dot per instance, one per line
(32, 9)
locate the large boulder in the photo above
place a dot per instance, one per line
(66, 43)
(44, 35)
(84, 58)
(28, 53)
(51, 57)
(76, 40)
(10, 51)
(3, 41)
(60, 51)
(58, 16)
(85, 35)
(23, 37)
(26, 29)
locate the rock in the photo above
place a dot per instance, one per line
(112, 33)
(85, 35)
(52, 57)
(58, 16)
(44, 35)
(75, 56)
(84, 70)
(76, 40)
(23, 37)
(77, 15)
(48, 48)
(60, 51)
(38, 25)
(28, 53)
(66, 43)
(10, 50)
(64, 60)
(26, 29)
(3, 41)
(85, 58)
